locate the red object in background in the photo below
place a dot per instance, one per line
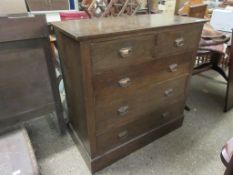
(73, 15)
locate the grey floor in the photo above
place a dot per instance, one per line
(191, 150)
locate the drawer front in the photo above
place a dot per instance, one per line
(126, 81)
(123, 52)
(179, 40)
(155, 119)
(124, 110)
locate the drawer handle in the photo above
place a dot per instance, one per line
(168, 92)
(123, 134)
(179, 42)
(173, 67)
(125, 52)
(123, 110)
(165, 115)
(124, 82)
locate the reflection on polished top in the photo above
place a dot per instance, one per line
(93, 28)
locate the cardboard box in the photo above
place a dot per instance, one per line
(8, 7)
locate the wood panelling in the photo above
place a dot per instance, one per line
(28, 87)
(27, 28)
(45, 5)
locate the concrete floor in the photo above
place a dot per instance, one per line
(191, 150)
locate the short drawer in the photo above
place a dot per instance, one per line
(126, 109)
(179, 40)
(147, 122)
(127, 81)
(111, 54)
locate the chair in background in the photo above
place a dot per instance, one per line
(198, 8)
(208, 58)
(197, 11)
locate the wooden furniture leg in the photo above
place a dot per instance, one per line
(215, 65)
(187, 108)
(55, 86)
(229, 92)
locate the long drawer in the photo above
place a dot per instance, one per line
(147, 122)
(118, 112)
(123, 52)
(126, 81)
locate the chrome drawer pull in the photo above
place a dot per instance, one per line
(125, 52)
(168, 92)
(173, 67)
(179, 42)
(165, 115)
(124, 82)
(123, 110)
(123, 134)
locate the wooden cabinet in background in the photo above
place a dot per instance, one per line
(28, 86)
(126, 80)
(45, 5)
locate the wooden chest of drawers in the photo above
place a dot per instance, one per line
(126, 80)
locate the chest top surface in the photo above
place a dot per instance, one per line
(103, 27)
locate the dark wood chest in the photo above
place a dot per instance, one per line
(126, 80)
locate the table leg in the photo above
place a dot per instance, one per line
(229, 92)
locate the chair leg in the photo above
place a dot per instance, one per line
(60, 118)
(216, 58)
(187, 108)
(220, 71)
(59, 108)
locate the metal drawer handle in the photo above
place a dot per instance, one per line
(123, 134)
(173, 67)
(123, 110)
(124, 82)
(168, 92)
(179, 42)
(165, 115)
(125, 52)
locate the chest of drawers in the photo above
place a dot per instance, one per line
(126, 80)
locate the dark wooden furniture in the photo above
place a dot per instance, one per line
(197, 11)
(207, 60)
(27, 77)
(229, 168)
(229, 92)
(126, 80)
(44, 5)
(17, 155)
(227, 158)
